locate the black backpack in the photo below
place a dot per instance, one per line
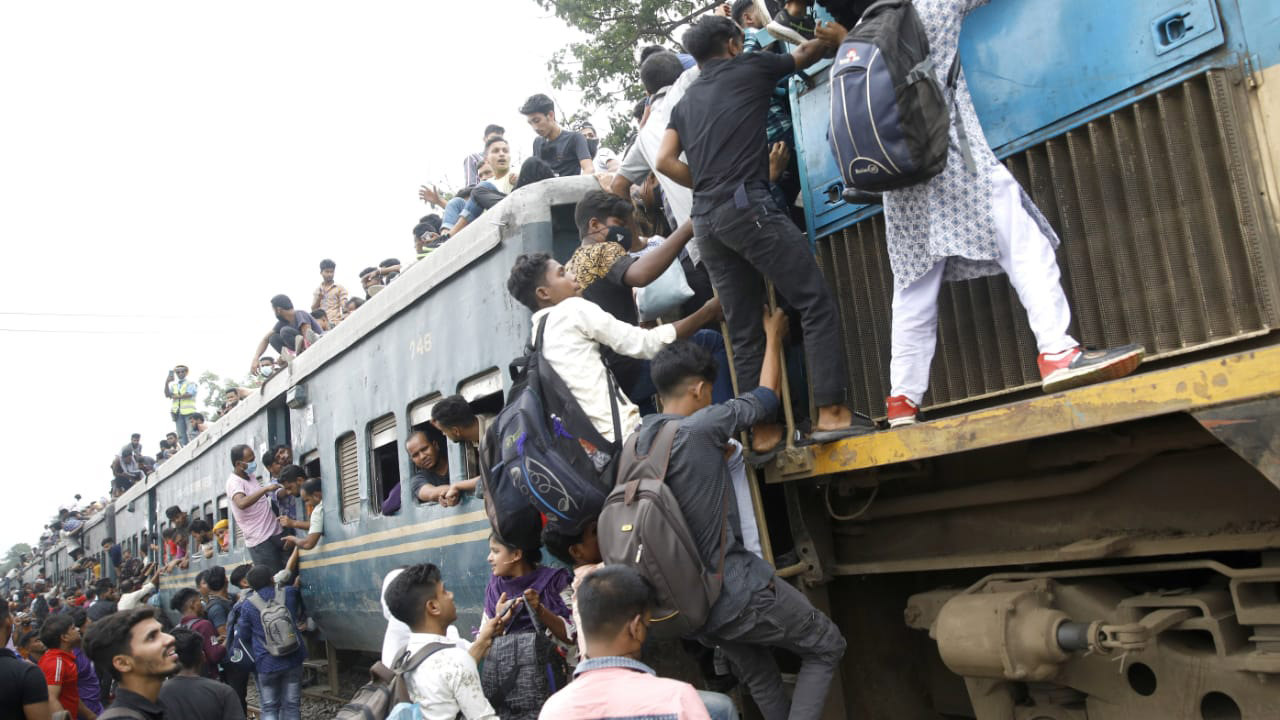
(536, 464)
(890, 119)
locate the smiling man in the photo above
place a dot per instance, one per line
(139, 654)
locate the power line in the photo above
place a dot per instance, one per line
(80, 332)
(115, 315)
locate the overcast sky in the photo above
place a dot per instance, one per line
(165, 168)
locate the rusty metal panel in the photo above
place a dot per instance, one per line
(1162, 243)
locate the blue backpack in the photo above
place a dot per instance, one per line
(890, 118)
(537, 462)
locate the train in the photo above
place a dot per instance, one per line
(1111, 551)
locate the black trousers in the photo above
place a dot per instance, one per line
(742, 242)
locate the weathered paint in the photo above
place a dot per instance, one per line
(1203, 384)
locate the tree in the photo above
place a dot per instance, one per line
(215, 385)
(12, 557)
(605, 67)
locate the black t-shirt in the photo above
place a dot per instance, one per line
(613, 294)
(21, 684)
(721, 120)
(198, 698)
(564, 154)
(422, 478)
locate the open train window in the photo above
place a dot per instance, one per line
(484, 394)
(384, 460)
(349, 476)
(224, 512)
(311, 462)
(208, 512)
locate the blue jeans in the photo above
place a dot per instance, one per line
(280, 694)
(642, 390)
(452, 211)
(182, 426)
(719, 705)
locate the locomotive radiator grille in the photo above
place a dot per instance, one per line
(1162, 244)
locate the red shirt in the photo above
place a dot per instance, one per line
(59, 667)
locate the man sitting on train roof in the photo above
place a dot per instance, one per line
(743, 238)
(251, 507)
(294, 331)
(454, 417)
(612, 261)
(971, 220)
(430, 480)
(575, 329)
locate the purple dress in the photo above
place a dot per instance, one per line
(549, 582)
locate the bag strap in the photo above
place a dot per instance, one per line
(953, 77)
(724, 532)
(540, 333)
(613, 408)
(408, 663)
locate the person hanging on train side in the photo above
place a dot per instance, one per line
(575, 329)
(455, 419)
(755, 610)
(742, 237)
(313, 495)
(139, 654)
(288, 499)
(971, 220)
(251, 508)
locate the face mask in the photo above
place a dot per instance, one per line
(251, 468)
(266, 370)
(619, 234)
(593, 146)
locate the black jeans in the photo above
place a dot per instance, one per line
(269, 553)
(738, 245)
(286, 338)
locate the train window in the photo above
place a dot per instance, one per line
(384, 465)
(484, 395)
(311, 462)
(208, 512)
(420, 410)
(223, 514)
(349, 476)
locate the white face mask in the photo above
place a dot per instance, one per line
(266, 370)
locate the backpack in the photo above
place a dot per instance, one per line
(890, 119)
(387, 692)
(642, 525)
(279, 633)
(521, 671)
(238, 654)
(537, 464)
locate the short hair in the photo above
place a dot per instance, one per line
(78, 617)
(54, 627)
(494, 129)
(237, 453)
(282, 302)
(538, 104)
(600, 205)
(328, 264)
(182, 597)
(709, 35)
(527, 275)
(200, 525)
(201, 576)
(739, 7)
(237, 575)
(638, 111)
(407, 595)
(368, 270)
(274, 453)
(557, 542)
(26, 637)
(190, 647)
(660, 70)
(293, 472)
(423, 228)
(108, 540)
(677, 363)
(172, 512)
(453, 412)
(109, 637)
(609, 597)
(217, 578)
(491, 141)
(104, 585)
(648, 51)
(260, 576)
(355, 301)
(389, 262)
(318, 314)
(312, 486)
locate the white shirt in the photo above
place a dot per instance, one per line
(643, 155)
(447, 683)
(576, 328)
(504, 184)
(129, 601)
(397, 635)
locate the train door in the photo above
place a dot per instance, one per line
(278, 432)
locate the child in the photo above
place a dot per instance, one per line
(517, 574)
(582, 551)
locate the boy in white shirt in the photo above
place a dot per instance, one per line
(576, 328)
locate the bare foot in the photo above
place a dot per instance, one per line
(834, 417)
(765, 437)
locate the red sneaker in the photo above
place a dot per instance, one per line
(901, 410)
(1075, 367)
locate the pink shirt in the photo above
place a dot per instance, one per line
(257, 522)
(618, 692)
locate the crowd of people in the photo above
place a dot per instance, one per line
(704, 191)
